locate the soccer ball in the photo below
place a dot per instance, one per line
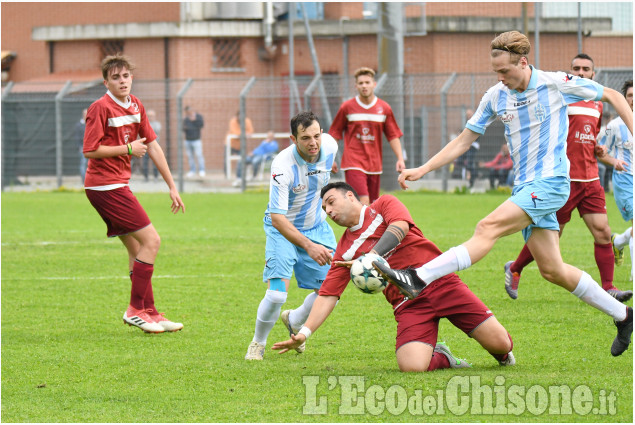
(364, 275)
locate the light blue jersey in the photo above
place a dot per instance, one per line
(619, 142)
(536, 121)
(295, 185)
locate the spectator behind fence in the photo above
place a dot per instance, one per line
(234, 129)
(467, 161)
(78, 135)
(263, 152)
(192, 125)
(156, 126)
(499, 168)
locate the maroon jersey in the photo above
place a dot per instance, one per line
(413, 251)
(363, 126)
(110, 122)
(585, 119)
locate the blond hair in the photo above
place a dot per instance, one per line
(117, 61)
(364, 71)
(513, 42)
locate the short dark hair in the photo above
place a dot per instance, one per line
(117, 61)
(627, 85)
(304, 119)
(583, 56)
(340, 186)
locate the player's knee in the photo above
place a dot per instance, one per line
(501, 342)
(153, 242)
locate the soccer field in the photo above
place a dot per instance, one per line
(67, 357)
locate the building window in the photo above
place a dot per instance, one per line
(111, 47)
(226, 55)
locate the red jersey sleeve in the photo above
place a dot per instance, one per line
(336, 281)
(391, 128)
(95, 124)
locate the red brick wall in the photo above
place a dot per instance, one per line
(334, 11)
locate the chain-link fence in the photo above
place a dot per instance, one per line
(39, 121)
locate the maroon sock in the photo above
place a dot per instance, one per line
(605, 260)
(148, 301)
(523, 259)
(503, 357)
(438, 361)
(141, 277)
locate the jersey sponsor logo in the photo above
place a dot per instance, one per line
(535, 198)
(365, 137)
(312, 173)
(587, 128)
(507, 118)
(540, 113)
(274, 176)
(299, 188)
(524, 102)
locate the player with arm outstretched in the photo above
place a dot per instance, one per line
(532, 105)
(112, 125)
(586, 194)
(387, 229)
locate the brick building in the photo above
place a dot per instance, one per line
(177, 41)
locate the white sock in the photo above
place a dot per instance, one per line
(593, 294)
(451, 261)
(268, 313)
(298, 316)
(622, 239)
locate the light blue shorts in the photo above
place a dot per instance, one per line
(282, 258)
(540, 199)
(623, 192)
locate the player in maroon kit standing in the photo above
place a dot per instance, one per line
(386, 228)
(587, 194)
(113, 123)
(363, 119)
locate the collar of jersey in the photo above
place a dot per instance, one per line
(301, 160)
(533, 81)
(363, 105)
(118, 102)
(361, 220)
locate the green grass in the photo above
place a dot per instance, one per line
(67, 357)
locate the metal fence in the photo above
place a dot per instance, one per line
(38, 120)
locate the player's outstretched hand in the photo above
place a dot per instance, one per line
(400, 166)
(294, 342)
(409, 174)
(139, 148)
(177, 203)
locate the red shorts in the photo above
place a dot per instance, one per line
(120, 210)
(449, 297)
(364, 184)
(587, 197)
